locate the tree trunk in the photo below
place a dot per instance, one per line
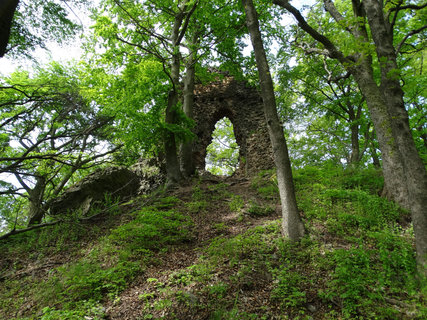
(355, 148)
(415, 176)
(7, 11)
(354, 128)
(404, 173)
(187, 163)
(35, 210)
(375, 160)
(173, 171)
(292, 226)
(394, 175)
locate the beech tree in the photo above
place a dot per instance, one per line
(370, 26)
(292, 226)
(135, 31)
(178, 36)
(330, 109)
(186, 151)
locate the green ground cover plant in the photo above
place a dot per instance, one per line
(356, 262)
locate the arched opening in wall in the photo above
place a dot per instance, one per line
(222, 155)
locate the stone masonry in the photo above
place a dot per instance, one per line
(242, 104)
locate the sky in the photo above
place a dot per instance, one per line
(73, 51)
(60, 53)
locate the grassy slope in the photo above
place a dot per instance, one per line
(213, 250)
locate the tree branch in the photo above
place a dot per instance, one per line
(410, 34)
(333, 51)
(143, 48)
(33, 227)
(186, 22)
(139, 25)
(409, 6)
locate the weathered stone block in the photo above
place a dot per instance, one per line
(114, 181)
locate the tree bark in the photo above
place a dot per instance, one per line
(354, 128)
(404, 173)
(393, 172)
(173, 171)
(412, 165)
(187, 163)
(35, 210)
(7, 11)
(292, 226)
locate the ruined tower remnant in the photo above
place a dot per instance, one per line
(242, 104)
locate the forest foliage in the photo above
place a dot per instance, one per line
(350, 89)
(125, 77)
(357, 262)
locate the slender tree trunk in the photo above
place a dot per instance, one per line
(373, 152)
(292, 225)
(187, 163)
(354, 128)
(173, 170)
(355, 148)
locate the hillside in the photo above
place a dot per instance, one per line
(212, 249)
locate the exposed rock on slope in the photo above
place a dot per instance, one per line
(114, 181)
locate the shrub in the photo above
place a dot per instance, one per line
(353, 281)
(396, 259)
(363, 276)
(252, 245)
(266, 184)
(357, 209)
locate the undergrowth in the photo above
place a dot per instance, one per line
(101, 270)
(357, 261)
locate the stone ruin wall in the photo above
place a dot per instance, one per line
(243, 106)
(223, 98)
